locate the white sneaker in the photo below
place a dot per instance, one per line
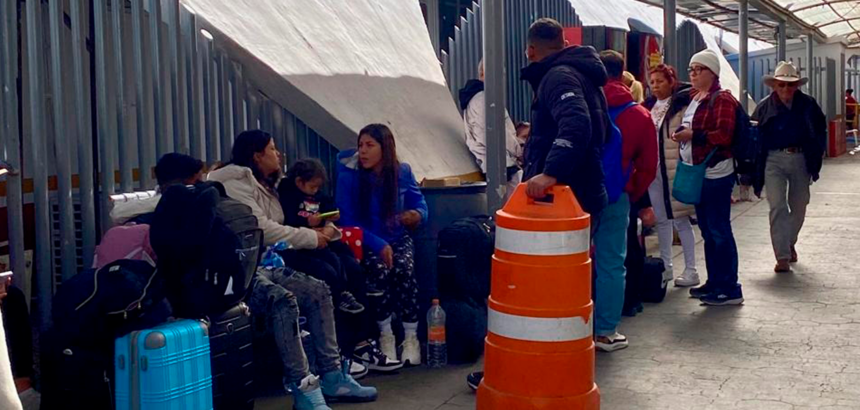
(411, 351)
(668, 275)
(611, 343)
(688, 279)
(357, 370)
(388, 345)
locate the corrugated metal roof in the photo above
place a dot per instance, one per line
(834, 18)
(764, 15)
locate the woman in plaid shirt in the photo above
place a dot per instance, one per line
(708, 127)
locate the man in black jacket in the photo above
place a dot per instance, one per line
(569, 123)
(569, 117)
(793, 130)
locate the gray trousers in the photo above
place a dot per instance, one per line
(280, 294)
(787, 186)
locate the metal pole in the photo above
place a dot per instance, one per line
(743, 57)
(11, 144)
(144, 136)
(177, 81)
(670, 45)
(86, 189)
(39, 163)
(210, 94)
(193, 75)
(106, 151)
(239, 113)
(781, 36)
(68, 252)
(494, 72)
(125, 164)
(810, 57)
(225, 113)
(161, 141)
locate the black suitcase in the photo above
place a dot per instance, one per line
(653, 286)
(231, 346)
(464, 259)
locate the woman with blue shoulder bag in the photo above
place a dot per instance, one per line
(706, 177)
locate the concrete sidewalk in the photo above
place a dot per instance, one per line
(792, 345)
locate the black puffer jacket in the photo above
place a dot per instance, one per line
(569, 123)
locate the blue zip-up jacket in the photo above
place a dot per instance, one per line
(376, 234)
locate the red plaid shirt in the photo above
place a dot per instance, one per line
(713, 127)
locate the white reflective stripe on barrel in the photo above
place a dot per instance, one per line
(539, 329)
(543, 243)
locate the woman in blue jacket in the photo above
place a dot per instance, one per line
(379, 194)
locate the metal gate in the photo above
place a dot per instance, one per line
(460, 63)
(92, 94)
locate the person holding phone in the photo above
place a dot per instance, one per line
(705, 136)
(303, 204)
(378, 193)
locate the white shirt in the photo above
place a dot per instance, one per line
(474, 119)
(723, 168)
(658, 115)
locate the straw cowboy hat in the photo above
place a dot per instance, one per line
(785, 72)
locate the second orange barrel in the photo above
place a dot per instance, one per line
(539, 348)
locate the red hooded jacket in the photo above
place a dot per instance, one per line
(639, 139)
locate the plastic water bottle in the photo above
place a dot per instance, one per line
(437, 350)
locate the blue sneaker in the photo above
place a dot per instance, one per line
(308, 395)
(722, 297)
(339, 386)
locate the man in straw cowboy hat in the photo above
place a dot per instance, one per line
(793, 130)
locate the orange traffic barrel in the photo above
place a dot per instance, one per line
(539, 347)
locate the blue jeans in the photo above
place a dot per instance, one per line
(610, 251)
(714, 213)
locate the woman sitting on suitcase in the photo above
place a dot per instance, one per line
(378, 193)
(251, 177)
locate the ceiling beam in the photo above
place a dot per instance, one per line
(843, 20)
(771, 8)
(822, 4)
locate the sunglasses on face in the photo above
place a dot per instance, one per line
(786, 85)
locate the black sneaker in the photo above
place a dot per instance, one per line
(724, 298)
(474, 379)
(373, 292)
(370, 356)
(702, 291)
(349, 304)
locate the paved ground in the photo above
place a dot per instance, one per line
(791, 346)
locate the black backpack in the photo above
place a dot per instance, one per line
(745, 140)
(89, 312)
(465, 330)
(208, 247)
(464, 259)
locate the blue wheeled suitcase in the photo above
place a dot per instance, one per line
(164, 368)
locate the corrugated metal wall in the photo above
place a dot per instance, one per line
(460, 62)
(159, 84)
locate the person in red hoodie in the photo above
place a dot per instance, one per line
(639, 164)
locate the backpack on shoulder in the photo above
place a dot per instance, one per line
(613, 170)
(208, 248)
(746, 143)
